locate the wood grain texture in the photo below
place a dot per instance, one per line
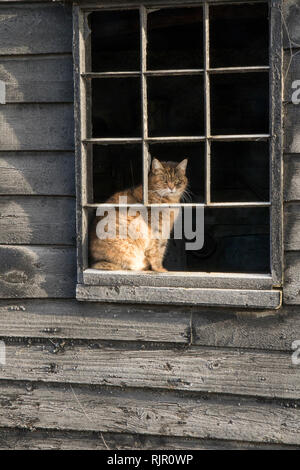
(292, 226)
(37, 173)
(37, 220)
(291, 127)
(37, 271)
(37, 407)
(36, 127)
(35, 29)
(23, 439)
(69, 319)
(291, 28)
(195, 369)
(292, 177)
(78, 320)
(239, 298)
(291, 290)
(38, 79)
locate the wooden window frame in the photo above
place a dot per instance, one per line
(178, 288)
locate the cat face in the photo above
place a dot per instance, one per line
(168, 179)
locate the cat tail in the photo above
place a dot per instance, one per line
(107, 266)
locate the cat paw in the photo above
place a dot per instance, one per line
(159, 269)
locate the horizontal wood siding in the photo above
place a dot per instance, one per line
(163, 377)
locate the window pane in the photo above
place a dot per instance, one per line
(116, 110)
(240, 103)
(115, 168)
(239, 35)
(236, 240)
(175, 106)
(240, 171)
(175, 39)
(195, 169)
(115, 40)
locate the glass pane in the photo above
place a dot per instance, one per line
(240, 103)
(240, 171)
(115, 40)
(116, 168)
(236, 240)
(195, 170)
(116, 110)
(239, 35)
(175, 39)
(175, 106)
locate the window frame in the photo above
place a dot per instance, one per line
(181, 288)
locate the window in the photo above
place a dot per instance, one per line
(198, 79)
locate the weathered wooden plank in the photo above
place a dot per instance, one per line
(37, 271)
(35, 29)
(74, 408)
(206, 327)
(36, 127)
(291, 72)
(291, 291)
(37, 220)
(239, 330)
(194, 369)
(292, 226)
(23, 439)
(291, 28)
(72, 319)
(292, 177)
(242, 298)
(37, 173)
(38, 79)
(292, 129)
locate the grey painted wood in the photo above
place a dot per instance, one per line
(194, 369)
(292, 129)
(176, 279)
(70, 319)
(37, 173)
(36, 271)
(181, 296)
(38, 79)
(291, 289)
(292, 177)
(219, 328)
(43, 406)
(292, 226)
(35, 29)
(79, 320)
(291, 28)
(37, 220)
(24, 439)
(291, 72)
(36, 127)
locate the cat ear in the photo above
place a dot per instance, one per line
(182, 165)
(156, 165)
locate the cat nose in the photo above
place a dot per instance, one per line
(171, 187)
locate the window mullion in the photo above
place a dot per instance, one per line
(207, 103)
(143, 66)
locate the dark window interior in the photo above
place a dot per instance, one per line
(175, 39)
(237, 239)
(115, 40)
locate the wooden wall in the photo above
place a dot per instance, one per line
(95, 376)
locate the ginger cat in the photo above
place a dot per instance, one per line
(167, 183)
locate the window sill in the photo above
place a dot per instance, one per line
(234, 290)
